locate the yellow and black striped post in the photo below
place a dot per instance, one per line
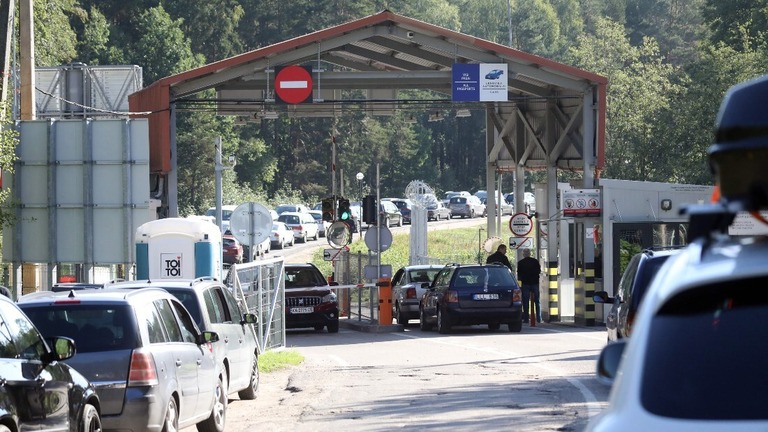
(554, 300)
(589, 293)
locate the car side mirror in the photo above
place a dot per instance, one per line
(601, 297)
(333, 283)
(62, 348)
(425, 284)
(249, 318)
(207, 337)
(609, 361)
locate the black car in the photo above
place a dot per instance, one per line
(632, 287)
(472, 294)
(39, 391)
(309, 299)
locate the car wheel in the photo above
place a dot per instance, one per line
(171, 423)
(494, 326)
(280, 245)
(472, 214)
(527, 209)
(423, 324)
(400, 222)
(386, 222)
(443, 326)
(516, 327)
(402, 319)
(215, 423)
(304, 238)
(249, 393)
(90, 422)
(318, 327)
(333, 326)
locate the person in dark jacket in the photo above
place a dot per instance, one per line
(500, 256)
(528, 270)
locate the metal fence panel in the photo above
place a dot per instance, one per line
(260, 286)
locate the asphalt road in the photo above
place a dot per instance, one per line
(474, 379)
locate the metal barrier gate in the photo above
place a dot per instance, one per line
(260, 286)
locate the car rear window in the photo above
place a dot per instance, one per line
(229, 242)
(458, 200)
(93, 327)
(289, 219)
(481, 276)
(706, 353)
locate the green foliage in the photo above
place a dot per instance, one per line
(274, 360)
(444, 246)
(55, 39)
(9, 138)
(642, 90)
(162, 48)
(666, 81)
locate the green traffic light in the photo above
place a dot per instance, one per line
(345, 216)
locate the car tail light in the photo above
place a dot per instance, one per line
(451, 296)
(517, 295)
(410, 293)
(297, 228)
(142, 371)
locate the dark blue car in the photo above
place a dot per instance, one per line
(494, 74)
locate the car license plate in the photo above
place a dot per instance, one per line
(302, 310)
(485, 297)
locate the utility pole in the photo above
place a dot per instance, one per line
(27, 47)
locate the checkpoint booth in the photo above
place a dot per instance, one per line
(596, 232)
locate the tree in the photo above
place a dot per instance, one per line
(162, 49)
(210, 26)
(535, 27)
(740, 24)
(641, 90)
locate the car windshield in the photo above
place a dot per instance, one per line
(318, 217)
(680, 356)
(303, 277)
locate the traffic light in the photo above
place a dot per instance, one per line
(369, 209)
(328, 209)
(345, 213)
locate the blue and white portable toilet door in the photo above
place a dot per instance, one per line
(178, 248)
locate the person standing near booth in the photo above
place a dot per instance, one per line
(528, 271)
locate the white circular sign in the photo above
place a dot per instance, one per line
(520, 224)
(251, 223)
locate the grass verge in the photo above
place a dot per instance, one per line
(273, 360)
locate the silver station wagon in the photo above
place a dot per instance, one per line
(152, 368)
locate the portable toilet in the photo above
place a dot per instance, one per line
(178, 248)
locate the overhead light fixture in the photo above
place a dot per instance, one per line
(436, 116)
(463, 113)
(240, 120)
(411, 119)
(270, 115)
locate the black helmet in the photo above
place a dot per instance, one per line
(739, 157)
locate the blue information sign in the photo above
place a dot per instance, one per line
(466, 82)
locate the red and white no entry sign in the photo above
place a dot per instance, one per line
(293, 84)
(520, 224)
